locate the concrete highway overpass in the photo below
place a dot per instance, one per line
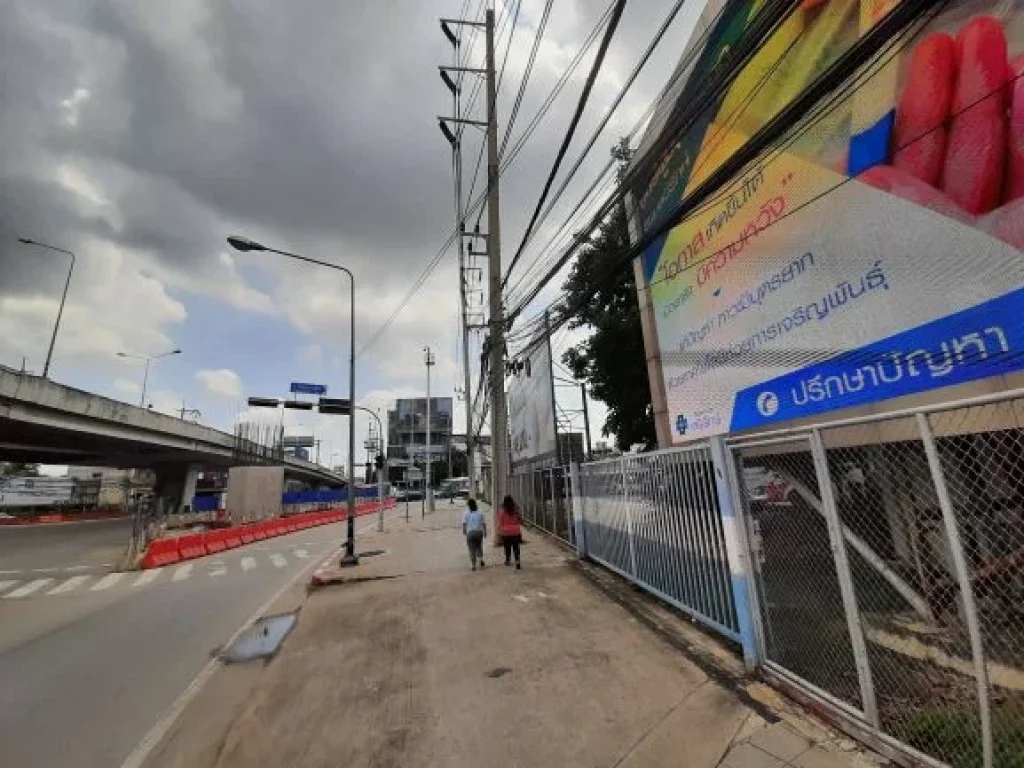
(49, 423)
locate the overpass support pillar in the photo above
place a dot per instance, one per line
(188, 490)
(176, 485)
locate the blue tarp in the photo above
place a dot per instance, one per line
(318, 497)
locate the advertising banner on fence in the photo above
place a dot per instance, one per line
(875, 252)
(531, 407)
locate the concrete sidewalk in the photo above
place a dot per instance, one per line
(413, 660)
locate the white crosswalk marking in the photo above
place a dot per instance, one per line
(218, 569)
(107, 582)
(146, 576)
(302, 553)
(66, 586)
(7, 583)
(28, 589)
(248, 563)
(278, 560)
(182, 572)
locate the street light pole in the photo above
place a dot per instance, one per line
(244, 244)
(145, 377)
(382, 471)
(63, 298)
(429, 494)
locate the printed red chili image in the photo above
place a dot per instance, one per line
(958, 142)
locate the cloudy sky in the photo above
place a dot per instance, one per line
(140, 133)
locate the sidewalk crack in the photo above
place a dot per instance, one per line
(654, 726)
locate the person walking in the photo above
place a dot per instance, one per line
(510, 530)
(474, 528)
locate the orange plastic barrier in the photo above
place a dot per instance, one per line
(161, 552)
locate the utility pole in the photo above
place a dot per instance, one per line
(496, 324)
(429, 491)
(499, 416)
(460, 223)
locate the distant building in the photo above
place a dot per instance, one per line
(407, 436)
(107, 486)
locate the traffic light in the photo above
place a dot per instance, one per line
(379, 461)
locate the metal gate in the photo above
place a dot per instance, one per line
(888, 571)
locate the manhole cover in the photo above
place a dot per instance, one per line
(262, 640)
(499, 672)
(372, 553)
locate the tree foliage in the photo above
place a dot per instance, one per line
(611, 360)
(14, 469)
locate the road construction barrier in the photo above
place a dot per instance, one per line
(161, 552)
(191, 546)
(166, 551)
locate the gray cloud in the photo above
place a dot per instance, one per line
(310, 123)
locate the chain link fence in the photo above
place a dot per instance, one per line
(888, 555)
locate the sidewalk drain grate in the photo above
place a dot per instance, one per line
(498, 672)
(262, 640)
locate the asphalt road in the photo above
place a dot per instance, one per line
(96, 544)
(89, 660)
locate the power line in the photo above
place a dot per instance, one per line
(721, 77)
(478, 203)
(681, 69)
(541, 26)
(891, 33)
(595, 68)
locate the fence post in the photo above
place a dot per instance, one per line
(964, 580)
(846, 589)
(737, 552)
(629, 520)
(577, 510)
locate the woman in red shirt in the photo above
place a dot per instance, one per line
(508, 528)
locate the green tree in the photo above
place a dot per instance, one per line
(611, 360)
(15, 468)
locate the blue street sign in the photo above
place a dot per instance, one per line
(308, 389)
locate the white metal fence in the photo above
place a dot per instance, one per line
(545, 499)
(653, 518)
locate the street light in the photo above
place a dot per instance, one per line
(148, 359)
(245, 245)
(63, 298)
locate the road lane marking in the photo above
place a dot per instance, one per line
(7, 583)
(303, 553)
(248, 563)
(78, 568)
(66, 586)
(278, 560)
(182, 572)
(146, 576)
(45, 570)
(218, 569)
(28, 589)
(107, 582)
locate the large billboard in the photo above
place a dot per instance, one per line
(873, 253)
(531, 406)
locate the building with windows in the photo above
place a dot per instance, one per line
(407, 436)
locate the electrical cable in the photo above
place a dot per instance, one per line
(638, 67)
(887, 33)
